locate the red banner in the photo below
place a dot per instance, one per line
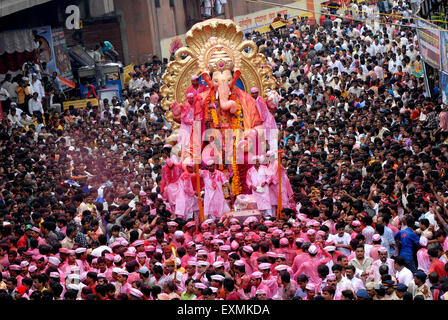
(67, 82)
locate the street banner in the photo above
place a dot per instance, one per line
(444, 87)
(79, 104)
(429, 42)
(444, 50)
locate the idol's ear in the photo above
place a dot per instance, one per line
(236, 76)
(207, 79)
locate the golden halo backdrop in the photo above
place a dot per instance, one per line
(203, 40)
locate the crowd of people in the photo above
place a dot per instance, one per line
(84, 212)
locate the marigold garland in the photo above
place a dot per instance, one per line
(236, 125)
(212, 114)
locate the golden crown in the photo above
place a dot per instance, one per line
(220, 65)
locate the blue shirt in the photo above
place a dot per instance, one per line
(388, 237)
(407, 238)
(300, 293)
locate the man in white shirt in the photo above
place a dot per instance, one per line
(412, 53)
(10, 87)
(35, 106)
(339, 281)
(371, 49)
(14, 115)
(382, 261)
(24, 120)
(428, 215)
(341, 239)
(357, 283)
(403, 274)
(37, 87)
(135, 83)
(336, 64)
(4, 98)
(97, 252)
(361, 262)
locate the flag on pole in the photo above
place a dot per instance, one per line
(67, 82)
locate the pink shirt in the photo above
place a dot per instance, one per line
(298, 260)
(271, 283)
(309, 268)
(254, 289)
(125, 288)
(133, 276)
(423, 260)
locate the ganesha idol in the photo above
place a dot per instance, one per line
(216, 52)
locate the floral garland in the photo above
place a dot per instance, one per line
(212, 113)
(237, 121)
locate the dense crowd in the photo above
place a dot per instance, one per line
(83, 214)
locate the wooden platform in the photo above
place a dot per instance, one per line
(244, 214)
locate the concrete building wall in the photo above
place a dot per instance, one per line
(99, 8)
(137, 28)
(143, 25)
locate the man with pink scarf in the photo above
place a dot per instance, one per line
(169, 182)
(214, 202)
(186, 122)
(195, 87)
(265, 115)
(258, 180)
(186, 200)
(287, 192)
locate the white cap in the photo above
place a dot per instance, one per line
(178, 234)
(116, 270)
(80, 250)
(73, 286)
(54, 260)
(312, 249)
(217, 277)
(203, 264)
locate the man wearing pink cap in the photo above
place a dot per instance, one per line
(214, 202)
(356, 225)
(190, 255)
(186, 200)
(268, 119)
(309, 267)
(258, 180)
(310, 290)
(190, 273)
(373, 252)
(246, 253)
(71, 263)
(257, 284)
(195, 87)
(268, 279)
(122, 285)
(383, 260)
(169, 183)
(186, 122)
